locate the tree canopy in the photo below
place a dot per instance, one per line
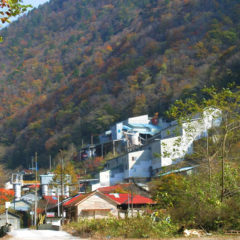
(217, 145)
(11, 8)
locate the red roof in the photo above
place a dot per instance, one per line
(75, 199)
(51, 199)
(125, 198)
(114, 188)
(119, 198)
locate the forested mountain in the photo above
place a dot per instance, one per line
(71, 68)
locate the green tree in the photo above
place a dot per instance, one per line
(227, 130)
(65, 172)
(190, 203)
(11, 8)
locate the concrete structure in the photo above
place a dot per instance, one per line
(167, 147)
(132, 129)
(45, 181)
(17, 182)
(12, 219)
(177, 141)
(48, 186)
(131, 165)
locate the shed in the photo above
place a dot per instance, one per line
(13, 219)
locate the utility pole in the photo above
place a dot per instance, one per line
(91, 139)
(113, 147)
(32, 163)
(58, 201)
(102, 150)
(61, 156)
(50, 163)
(131, 199)
(35, 209)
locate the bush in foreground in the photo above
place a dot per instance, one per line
(139, 227)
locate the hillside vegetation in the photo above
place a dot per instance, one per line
(71, 68)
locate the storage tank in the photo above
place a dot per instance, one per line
(44, 189)
(17, 191)
(135, 139)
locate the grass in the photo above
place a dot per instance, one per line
(139, 227)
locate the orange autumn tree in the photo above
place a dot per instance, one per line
(6, 196)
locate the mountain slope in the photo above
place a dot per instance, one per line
(71, 68)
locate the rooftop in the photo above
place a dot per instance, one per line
(126, 198)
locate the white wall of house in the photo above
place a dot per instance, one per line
(96, 206)
(12, 219)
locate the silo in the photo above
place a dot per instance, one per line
(45, 190)
(17, 191)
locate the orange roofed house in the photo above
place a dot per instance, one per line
(102, 205)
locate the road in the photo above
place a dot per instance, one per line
(27, 234)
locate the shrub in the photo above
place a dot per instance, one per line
(139, 227)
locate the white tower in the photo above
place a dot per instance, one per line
(17, 182)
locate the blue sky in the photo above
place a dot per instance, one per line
(34, 3)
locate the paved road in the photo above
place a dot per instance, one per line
(27, 234)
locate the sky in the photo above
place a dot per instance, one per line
(34, 3)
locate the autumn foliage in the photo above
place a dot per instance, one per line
(70, 69)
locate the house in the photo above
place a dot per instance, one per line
(11, 218)
(93, 205)
(21, 205)
(100, 205)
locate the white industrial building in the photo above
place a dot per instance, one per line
(167, 147)
(51, 188)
